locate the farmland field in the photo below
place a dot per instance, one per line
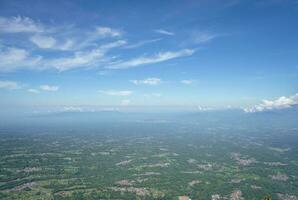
(162, 158)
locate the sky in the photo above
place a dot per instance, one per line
(201, 55)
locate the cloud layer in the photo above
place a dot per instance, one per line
(203, 37)
(14, 58)
(35, 91)
(19, 25)
(62, 48)
(279, 103)
(116, 92)
(10, 85)
(107, 32)
(187, 82)
(147, 81)
(164, 32)
(160, 57)
(49, 88)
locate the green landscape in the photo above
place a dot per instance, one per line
(150, 159)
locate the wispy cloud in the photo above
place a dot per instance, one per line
(49, 42)
(279, 103)
(79, 59)
(14, 58)
(10, 85)
(19, 24)
(91, 38)
(160, 57)
(62, 41)
(84, 50)
(67, 45)
(187, 82)
(114, 44)
(84, 58)
(107, 32)
(204, 109)
(147, 81)
(141, 43)
(49, 88)
(116, 92)
(72, 109)
(44, 42)
(203, 37)
(35, 91)
(164, 32)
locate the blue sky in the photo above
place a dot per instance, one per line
(192, 54)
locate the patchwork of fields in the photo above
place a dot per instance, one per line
(149, 161)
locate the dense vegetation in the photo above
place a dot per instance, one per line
(149, 160)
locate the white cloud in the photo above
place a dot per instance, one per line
(91, 39)
(83, 46)
(147, 81)
(112, 45)
(67, 45)
(116, 92)
(79, 59)
(19, 24)
(72, 109)
(33, 91)
(61, 42)
(160, 57)
(10, 85)
(14, 58)
(12, 55)
(203, 37)
(161, 31)
(49, 88)
(44, 42)
(107, 32)
(187, 82)
(204, 109)
(280, 103)
(141, 43)
(125, 102)
(48, 42)
(85, 58)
